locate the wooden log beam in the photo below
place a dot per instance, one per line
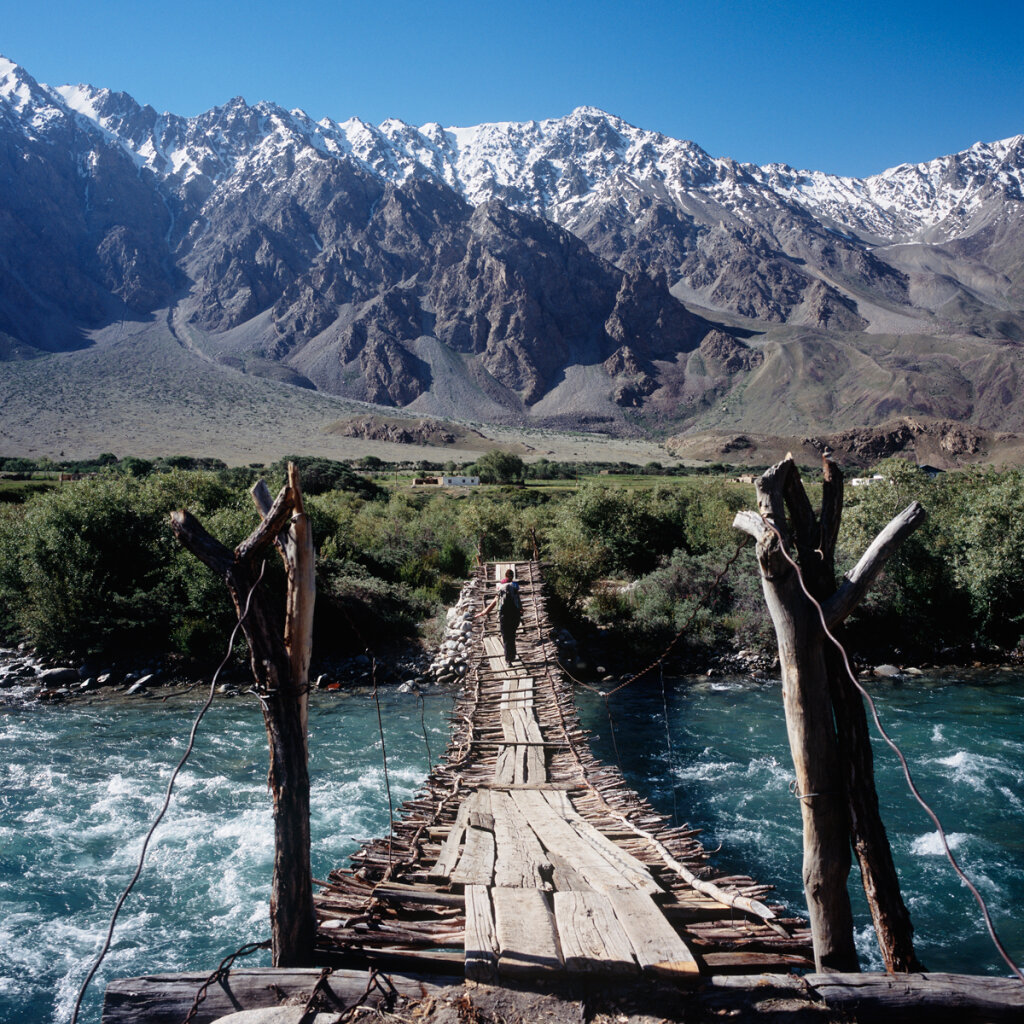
(167, 998)
(865, 998)
(282, 701)
(937, 998)
(824, 714)
(812, 742)
(296, 546)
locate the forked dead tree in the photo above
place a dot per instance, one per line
(825, 717)
(280, 655)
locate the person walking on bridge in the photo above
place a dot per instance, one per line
(510, 612)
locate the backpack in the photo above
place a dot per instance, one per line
(510, 604)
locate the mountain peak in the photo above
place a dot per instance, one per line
(17, 86)
(593, 112)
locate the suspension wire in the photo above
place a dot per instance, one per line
(167, 799)
(706, 597)
(384, 755)
(669, 753)
(611, 729)
(422, 696)
(426, 738)
(979, 899)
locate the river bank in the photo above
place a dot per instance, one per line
(597, 658)
(412, 667)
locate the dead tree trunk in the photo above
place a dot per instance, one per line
(825, 717)
(280, 664)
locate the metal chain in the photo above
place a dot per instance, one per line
(221, 972)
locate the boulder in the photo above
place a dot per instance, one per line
(887, 671)
(56, 676)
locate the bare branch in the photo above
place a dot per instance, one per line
(207, 549)
(300, 560)
(863, 574)
(771, 487)
(270, 526)
(752, 523)
(801, 515)
(261, 498)
(831, 512)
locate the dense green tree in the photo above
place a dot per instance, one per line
(92, 566)
(500, 467)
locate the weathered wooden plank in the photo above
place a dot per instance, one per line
(449, 855)
(753, 962)
(522, 729)
(556, 834)
(482, 820)
(476, 865)
(520, 859)
(635, 873)
(531, 738)
(481, 937)
(565, 877)
(505, 767)
(553, 744)
(591, 937)
(689, 914)
(527, 938)
(404, 893)
(656, 944)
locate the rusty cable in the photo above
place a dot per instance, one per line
(979, 899)
(167, 799)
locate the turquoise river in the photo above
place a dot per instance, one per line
(80, 782)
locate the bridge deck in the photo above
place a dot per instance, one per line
(524, 855)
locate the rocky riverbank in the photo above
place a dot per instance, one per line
(24, 675)
(599, 659)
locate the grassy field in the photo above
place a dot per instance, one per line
(19, 490)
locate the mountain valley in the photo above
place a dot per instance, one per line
(577, 274)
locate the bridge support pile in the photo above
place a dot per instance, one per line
(524, 856)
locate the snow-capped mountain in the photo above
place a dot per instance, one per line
(551, 167)
(544, 263)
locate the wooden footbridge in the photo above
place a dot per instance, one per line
(524, 861)
(524, 856)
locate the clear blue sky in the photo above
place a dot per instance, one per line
(850, 88)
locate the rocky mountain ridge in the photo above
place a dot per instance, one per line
(572, 271)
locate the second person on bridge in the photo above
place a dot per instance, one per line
(510, 612)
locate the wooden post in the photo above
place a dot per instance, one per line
(280, 664)
(824, 715)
